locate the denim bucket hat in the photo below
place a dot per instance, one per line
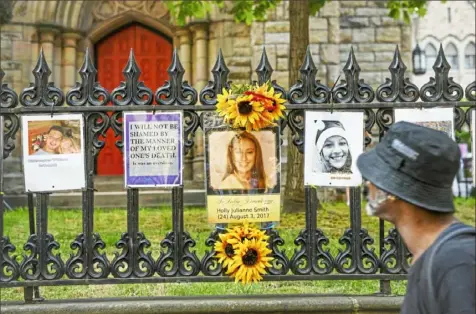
(415, 163)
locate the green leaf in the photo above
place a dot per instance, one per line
(316, 5)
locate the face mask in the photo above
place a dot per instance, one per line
(373, 204)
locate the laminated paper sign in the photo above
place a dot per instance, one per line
(153, 149)
(435, 118)
(333, 143)
(53, 152)
(243, 174)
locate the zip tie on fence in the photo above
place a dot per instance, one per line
(52, 107)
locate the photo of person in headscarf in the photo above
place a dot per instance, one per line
(332, 148)
(244, 168)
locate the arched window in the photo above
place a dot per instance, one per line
(430, 52)
(469, 56)
(452, 56)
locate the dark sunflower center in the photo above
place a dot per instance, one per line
(244, 107)
(250, 258)
(229, 250)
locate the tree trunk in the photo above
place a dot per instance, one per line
(299, 40)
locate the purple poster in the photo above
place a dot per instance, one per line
(153, 149)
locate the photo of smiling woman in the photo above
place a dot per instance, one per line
(333, 141)
(244, 164)
(332, 148)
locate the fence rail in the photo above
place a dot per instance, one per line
(178, 262)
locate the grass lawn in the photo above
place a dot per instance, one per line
(333, 219)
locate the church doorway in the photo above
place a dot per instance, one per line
(153, 53)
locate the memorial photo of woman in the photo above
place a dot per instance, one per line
(244, 164)
(333, 154)
(333, 141)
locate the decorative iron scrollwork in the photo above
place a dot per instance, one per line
(459, 118)
(210, 265)
(36, 267)
(178, 260)
(307, 89)
(42, 92)
(296, 124)
(471, 91)
(308, 259)
(280, 262)
(131, 91)
(352, 89)
(398, 88)
(469, 117)
(77, 266)
(88, 91)
(9, 268)
(384, 120)
(190, 263)
(357, 254)
(175, 90)
(208, 95)
(395, 256)
(97, 123)
(8, 97)
(264, 72)
(369, 120)
(441, 87)
(165, 264)
(130, 262)
(191, 122)
(116, 125)
(11, 124)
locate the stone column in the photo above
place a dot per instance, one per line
(199, 79)
(185, 52)
(200, 41)
(184, 44)
(35, 49)
(80, 51)
(57, 75)
(47, 42)
(68, 61)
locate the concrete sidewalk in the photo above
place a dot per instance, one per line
(251, 304)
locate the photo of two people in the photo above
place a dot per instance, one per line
(55, 137)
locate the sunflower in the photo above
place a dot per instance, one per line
(250, 261)
(225, 101)
(247, 231)
(274, 110)
(272, 102)
(224, 248)
(245, 113)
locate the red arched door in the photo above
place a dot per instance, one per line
(153, 53)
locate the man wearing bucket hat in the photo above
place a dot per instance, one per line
(410, 175)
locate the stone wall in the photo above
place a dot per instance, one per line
(331, 31)
(365, 25)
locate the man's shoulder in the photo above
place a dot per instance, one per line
(455, 252)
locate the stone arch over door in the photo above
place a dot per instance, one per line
(153, 53)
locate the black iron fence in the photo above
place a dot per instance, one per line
(38, 265)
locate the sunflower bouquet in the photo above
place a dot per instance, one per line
(244, 253)
(251, 107)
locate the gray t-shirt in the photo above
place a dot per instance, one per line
(454, 278)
